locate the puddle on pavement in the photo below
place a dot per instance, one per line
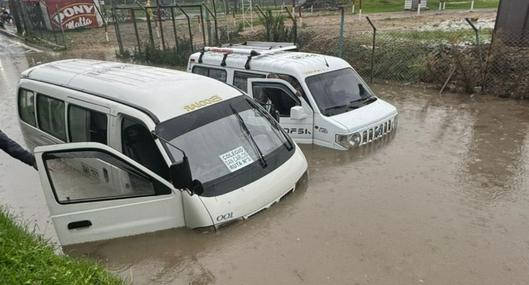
(443, 201)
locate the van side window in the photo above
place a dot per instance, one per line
(240, 79)
(86, 125)
(215, 73)
(294, 82)
(89, 175)
(139, 145)
(26, 106)
(275, 97)
(50, 115)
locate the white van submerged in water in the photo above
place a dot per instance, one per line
(126, 149)
(317, 99)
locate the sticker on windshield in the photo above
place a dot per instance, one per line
(236, 159)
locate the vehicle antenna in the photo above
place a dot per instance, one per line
(325, 59)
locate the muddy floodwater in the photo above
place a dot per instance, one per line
(443, 201)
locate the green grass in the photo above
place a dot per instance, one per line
(378, 6)
(26, 258)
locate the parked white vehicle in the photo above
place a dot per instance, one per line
(127, 149)
(317, 99)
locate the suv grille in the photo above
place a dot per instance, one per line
(377, 131)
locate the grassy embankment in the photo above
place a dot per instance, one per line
(378, 6)
(26, 258)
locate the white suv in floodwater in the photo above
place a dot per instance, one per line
(317, 99)
(126, 149)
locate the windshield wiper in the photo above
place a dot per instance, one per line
(335, 107)
(255, 147)
(265, 114)
(366, 100)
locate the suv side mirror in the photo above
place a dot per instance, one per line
(297, 113)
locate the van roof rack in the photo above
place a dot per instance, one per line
(249, 48)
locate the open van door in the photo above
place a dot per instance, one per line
(95, 193)
(283, 102)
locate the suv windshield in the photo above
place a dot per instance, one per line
(339, 91)
(229, 144)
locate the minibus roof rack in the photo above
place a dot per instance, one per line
(250, 49)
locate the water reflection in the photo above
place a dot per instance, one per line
(496, 164)
(174, 256)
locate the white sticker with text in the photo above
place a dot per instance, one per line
(236, 159)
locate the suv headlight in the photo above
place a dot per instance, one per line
(355, 139)
(343, 140)
(348, 141)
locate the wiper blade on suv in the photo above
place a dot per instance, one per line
(369, 99)
(255, 147)
(362, 100)
(326, 111)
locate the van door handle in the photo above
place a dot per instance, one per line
(79, 224)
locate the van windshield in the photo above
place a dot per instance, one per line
(229, 144)
(339, 91)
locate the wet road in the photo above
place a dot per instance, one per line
(444, 201)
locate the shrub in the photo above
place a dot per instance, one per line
(275, 29)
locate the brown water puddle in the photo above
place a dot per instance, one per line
(444, 201)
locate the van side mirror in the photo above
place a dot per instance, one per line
(297, 113)
(182, 179)
(180, 174)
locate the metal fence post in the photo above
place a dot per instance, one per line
(203, 27)
(116, 27)
(208, 22)
(478, 44)
(215, 22)
(174, 29)
(294, 24)
(160, 24)
(373, 50)
(133, 16)
(340, 40)
(188, 26)
(149, 28)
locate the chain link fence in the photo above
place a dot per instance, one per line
(35, 23)
(465, 59)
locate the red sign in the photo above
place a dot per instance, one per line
(73, 14)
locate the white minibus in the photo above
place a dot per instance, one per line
(124, 149)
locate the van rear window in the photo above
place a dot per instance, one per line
(86, 125)
(26, 106)
(215, 73)
(50, 114)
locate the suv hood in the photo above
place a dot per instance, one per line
(364, 116)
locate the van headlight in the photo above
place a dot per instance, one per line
(348, 141)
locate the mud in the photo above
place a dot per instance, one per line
(444, 201)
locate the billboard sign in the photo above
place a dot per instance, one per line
(73, 14)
